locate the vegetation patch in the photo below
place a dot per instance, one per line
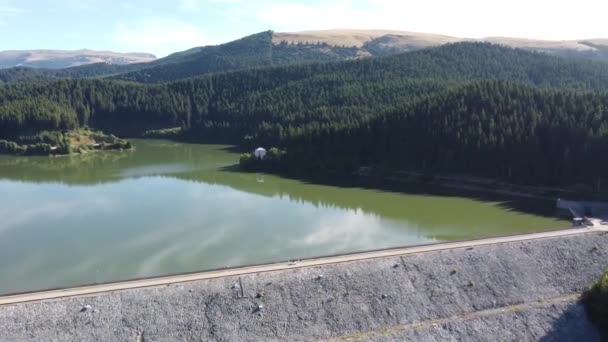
(596, 302)
(269, 162)
(466, 109)
(59, 143)
(167, 133)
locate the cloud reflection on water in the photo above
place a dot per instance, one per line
(207, 226)
(167, 208)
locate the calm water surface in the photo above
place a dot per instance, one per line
(169, 208)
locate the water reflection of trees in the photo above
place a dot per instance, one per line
(90, 168)
(103, 167)
(207, 164)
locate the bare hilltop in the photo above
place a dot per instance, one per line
(58, 59)
(374, 42)
(367, 43)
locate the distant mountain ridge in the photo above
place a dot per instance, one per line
(374, 42)
(59, 59)
(273, 49)
(464, 108)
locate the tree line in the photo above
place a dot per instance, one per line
(470, 107)
(486, 128)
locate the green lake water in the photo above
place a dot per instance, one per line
(169, 208)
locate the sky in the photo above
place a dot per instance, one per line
(163, 27)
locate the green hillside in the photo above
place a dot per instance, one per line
(486, 128)
(471, 108)
(256, 50)
(266, 49)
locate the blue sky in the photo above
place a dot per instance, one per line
(162, 27)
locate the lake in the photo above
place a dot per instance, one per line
(169, 208)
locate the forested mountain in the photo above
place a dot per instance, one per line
(274, 49)
(256, 50)
(278, 93)
(22, 74)
(34, 115)
(485, 128)
(473, 108)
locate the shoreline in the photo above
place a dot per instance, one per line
(51, 143)
(396, 180)
(89, 289)
(526, 289)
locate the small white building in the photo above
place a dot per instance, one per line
(260, 153)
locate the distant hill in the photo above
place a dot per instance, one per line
(382, 42)
(252, 51)
(369, 42)
(295, 95)
(59, 59)
(464, 108)
(272, 49)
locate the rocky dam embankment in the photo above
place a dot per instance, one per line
(508, 291)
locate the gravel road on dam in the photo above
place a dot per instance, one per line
(513, 291)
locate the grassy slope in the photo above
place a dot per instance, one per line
(596, 301)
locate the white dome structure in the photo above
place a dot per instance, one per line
(260, 153)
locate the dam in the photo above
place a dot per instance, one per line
(521, 287)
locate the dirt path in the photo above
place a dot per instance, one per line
(462, 318)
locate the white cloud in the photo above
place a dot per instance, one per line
(196, 5)
(189, 4)
(81, 5)
(8, 11)
(158, 36)
(5, 9)
(165, 27)
(548, 19)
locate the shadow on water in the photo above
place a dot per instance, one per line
(235, 150)
(172, 207)
(521, 203)
(216, 164)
